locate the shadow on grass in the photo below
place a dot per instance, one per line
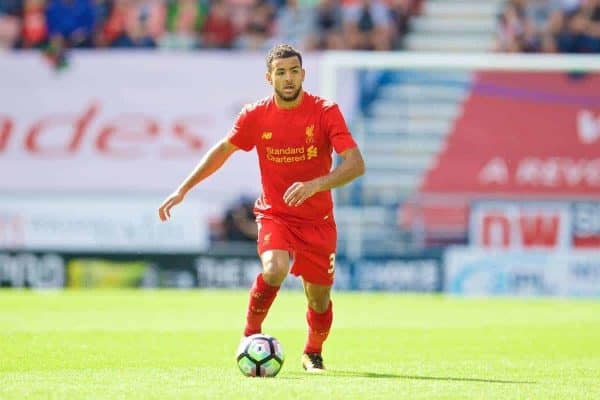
(360, 374)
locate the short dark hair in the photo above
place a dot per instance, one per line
(282, 51)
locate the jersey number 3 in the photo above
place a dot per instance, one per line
(331, 269)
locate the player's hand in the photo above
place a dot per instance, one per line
(164, 211)
(298, 192)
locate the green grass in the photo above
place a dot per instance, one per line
(180, 344)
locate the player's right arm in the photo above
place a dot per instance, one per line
(209, 164)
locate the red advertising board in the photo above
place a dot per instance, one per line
(524, 133)
(519, 135)
(530, 225)
(543, 225)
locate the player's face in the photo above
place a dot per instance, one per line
(286, 77)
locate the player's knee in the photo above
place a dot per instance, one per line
(319, 304)
(276, 265)
(275, 271)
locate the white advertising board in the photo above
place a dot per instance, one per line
(476, 271)
(102, 223)
(134, 121)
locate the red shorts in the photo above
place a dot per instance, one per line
(312, 246)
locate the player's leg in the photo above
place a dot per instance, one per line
(316, 264)
(319, 316)
(275, 259)
(276, 265)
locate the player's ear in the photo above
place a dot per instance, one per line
(303, 73)
(268, 76)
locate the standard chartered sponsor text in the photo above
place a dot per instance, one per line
(286, 154)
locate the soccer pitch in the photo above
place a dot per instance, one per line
(136, 344)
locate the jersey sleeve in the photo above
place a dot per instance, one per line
(338, 131)
(241, 133)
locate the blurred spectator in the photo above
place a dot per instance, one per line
(133, 23)
(568, 6)
(185, 19)
(329, 24)
(401, 12)
(582, 33)
(538, 12)
(10, 7)
(191, 24)
(145, 23)
(368, 25)
(571, 26)
(113, 32)
(71, 22)
(102, 9)
(294, 24)
(541, 28)
(218, 31)
(35, 29)
(239, 223)
(511, 27)
(257, 32)
(10, 24)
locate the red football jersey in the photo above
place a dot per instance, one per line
(293, 145)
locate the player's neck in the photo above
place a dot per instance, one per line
(288, 105)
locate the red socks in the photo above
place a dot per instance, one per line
(261, 298)
(318, 328)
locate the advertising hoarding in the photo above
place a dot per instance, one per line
(523, 133)
(524, 224)
(45, 269)
(477, 271)
(103, 223)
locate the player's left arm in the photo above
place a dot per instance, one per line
(351, 167)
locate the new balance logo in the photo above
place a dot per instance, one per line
(267, 135)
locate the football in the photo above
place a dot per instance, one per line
(260, 355)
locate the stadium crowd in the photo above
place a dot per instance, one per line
(192, 24)
(565, 26)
